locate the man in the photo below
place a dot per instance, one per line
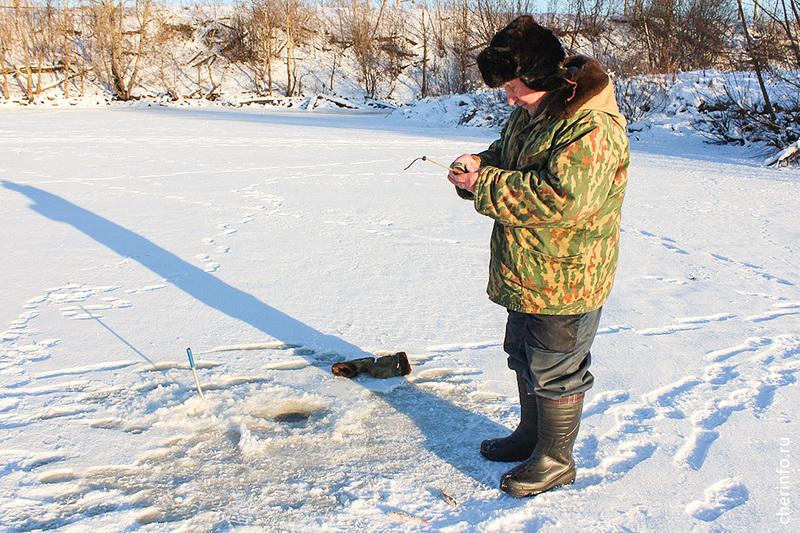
(554, 184)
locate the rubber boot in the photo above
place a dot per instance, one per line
(354, 367)
(390, 366)
(520, 444)
(551, 464)
(387, 366)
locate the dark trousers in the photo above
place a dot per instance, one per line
(552, 351)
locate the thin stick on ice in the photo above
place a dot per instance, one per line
(194, 372)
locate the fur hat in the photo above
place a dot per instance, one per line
(527, 51)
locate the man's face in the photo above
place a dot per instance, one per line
(520, 94)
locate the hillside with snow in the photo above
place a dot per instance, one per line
(404, 56)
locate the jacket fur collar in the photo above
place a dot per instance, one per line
(588, 87)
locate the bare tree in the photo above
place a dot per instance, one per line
(64, 27)
(167, 40)
(263, 25)
(6, 47)
(463, 48)
(65, 49)
(333, 42)
(777, 27)
(297, 19)
(584, 20)
(424, 37)
(757, 62)
(120, 37)
(359, 23)
(23, 23)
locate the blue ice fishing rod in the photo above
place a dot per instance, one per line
(194, 372)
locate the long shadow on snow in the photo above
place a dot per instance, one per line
(450, 432)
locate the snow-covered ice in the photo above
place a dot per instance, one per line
(274, 243)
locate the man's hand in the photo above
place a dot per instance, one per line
(465, 172)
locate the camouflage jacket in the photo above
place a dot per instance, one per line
(554, 185)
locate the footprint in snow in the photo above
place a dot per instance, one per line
(631, 420)
(736, 386)
(686, 324)
(61, 411)
(601, 402)
(718, 499)
(749, 345)
(695, 451)
(667, 330)
(96, 367)
(170, 365)
(587, 452)
(226, 229)
(668, 398)
(8, 404)
(451, 348)
(37, 460)
(210, 265)
(720, 374)
(147, 288)
(58, 475)
(758, 271)
(778, 311)
(627, 456)
(86, 312)
(36, 351)
(612, 329)
(668, 243)
(23, 319)
(671, 281)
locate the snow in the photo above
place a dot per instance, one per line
(274, 243)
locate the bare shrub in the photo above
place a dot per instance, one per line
(120, 35)
(167, 42)
(682, 34)
(490, 16)
(377, 39)
(733, 119)
(260, 24)
(359, 23)
(639, 97)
